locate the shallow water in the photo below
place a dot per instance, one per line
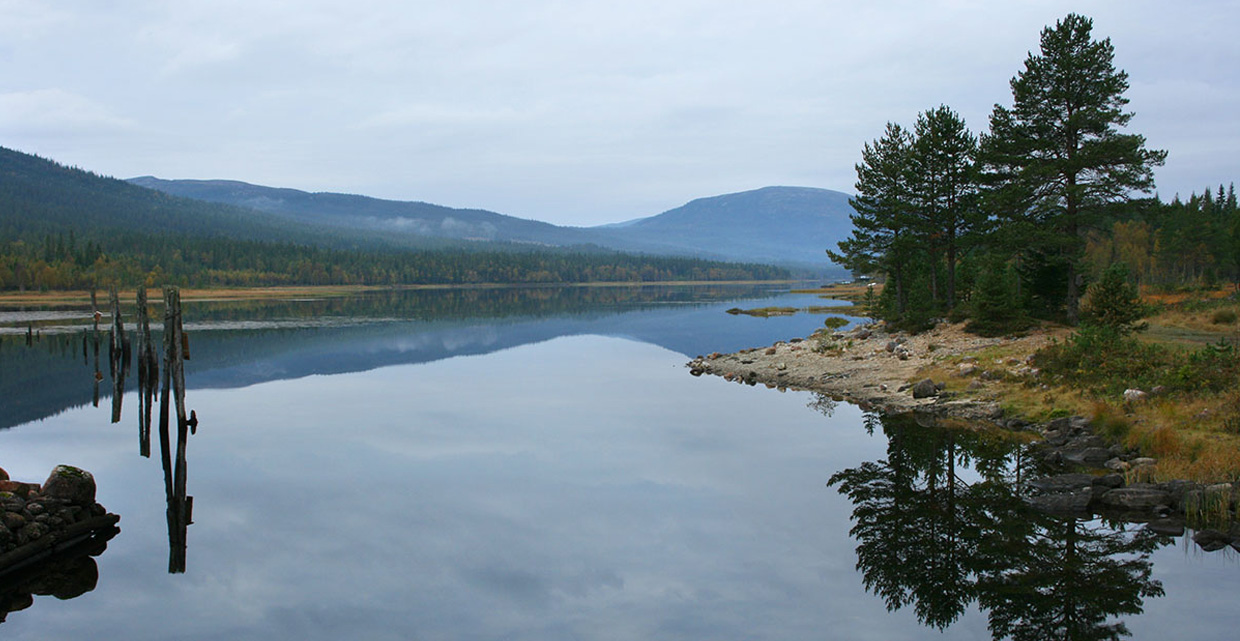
(536, 465)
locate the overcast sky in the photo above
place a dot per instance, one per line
(573, 111)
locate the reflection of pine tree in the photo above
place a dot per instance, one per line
(914, 527)
(927, 539)
(1062, 578)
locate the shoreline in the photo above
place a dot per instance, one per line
(878, 370)
(329, 291)
(1085, 474)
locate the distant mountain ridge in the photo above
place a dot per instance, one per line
(774, 225)
(779, 225)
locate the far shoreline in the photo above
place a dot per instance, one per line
(67, 297)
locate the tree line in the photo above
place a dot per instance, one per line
(129, 259)
(1011, 224)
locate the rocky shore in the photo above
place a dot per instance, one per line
(876, 369)
(46, 530)
(1083, 473)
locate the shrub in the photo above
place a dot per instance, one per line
(1114, 303)
(1224, 317)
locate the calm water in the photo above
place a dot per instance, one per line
(538, 464)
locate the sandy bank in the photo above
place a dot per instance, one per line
(876, 369)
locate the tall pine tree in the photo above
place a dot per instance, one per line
(1057, 155)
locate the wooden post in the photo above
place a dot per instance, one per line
(179, 503)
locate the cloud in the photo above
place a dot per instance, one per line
(56, 110)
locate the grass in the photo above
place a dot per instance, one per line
(764, 312)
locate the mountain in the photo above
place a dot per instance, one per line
(346, 211)
(41, 198)
(773, 225)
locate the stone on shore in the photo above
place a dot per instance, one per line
(70, 484)
(925, 388)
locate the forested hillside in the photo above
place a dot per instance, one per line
(1017, 223)
(63, 227)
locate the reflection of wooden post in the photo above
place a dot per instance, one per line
(116, 354)
(179, 504)
(148, 374)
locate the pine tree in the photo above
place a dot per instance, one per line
(1057, 153)
(944, 188)
(882, 238)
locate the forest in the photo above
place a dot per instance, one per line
(66, 228)
(1016, 223)
(63, 262)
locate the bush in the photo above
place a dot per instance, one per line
(1114, 303)
(1224, 317)
(1106, 362)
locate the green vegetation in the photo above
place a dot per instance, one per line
(764, 312)
(1005, 228)
(64, 228)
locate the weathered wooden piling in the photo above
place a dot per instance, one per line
(148, 374)
(180, 505)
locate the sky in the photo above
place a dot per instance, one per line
(570, 111)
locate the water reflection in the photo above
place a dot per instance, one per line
(941, 524)
(69, 573)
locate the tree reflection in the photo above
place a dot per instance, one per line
(941, 524)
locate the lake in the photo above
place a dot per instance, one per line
(539, 464)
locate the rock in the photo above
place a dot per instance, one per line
(925, 388)
(32, 532)
(4, 476)
(18, 488)
(864, 334)
(1166, 527)
(1211, 540)
(1180, 491)
(1109, 481)
(1064, 503)
(1089, 456)
(1116, 464)
(1061, 424)
(976, 385)
(1158, 390)
(1142, 461)
(13, 521)
(1136, 497)
(891, 346)
(1055, 438)
(770, 351)
(1063, 483)
(967, 369)
(1134, 395)
(73, 485)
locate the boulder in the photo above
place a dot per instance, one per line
(1089, 456)
(1134, 395)
(1063, 483)
(70, 484)
(925, 388)
(1211, 540)
(1064, 503)
(1109, 481)
(1136, 497)
(1166, 527)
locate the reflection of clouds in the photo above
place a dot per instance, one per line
(577, 488)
